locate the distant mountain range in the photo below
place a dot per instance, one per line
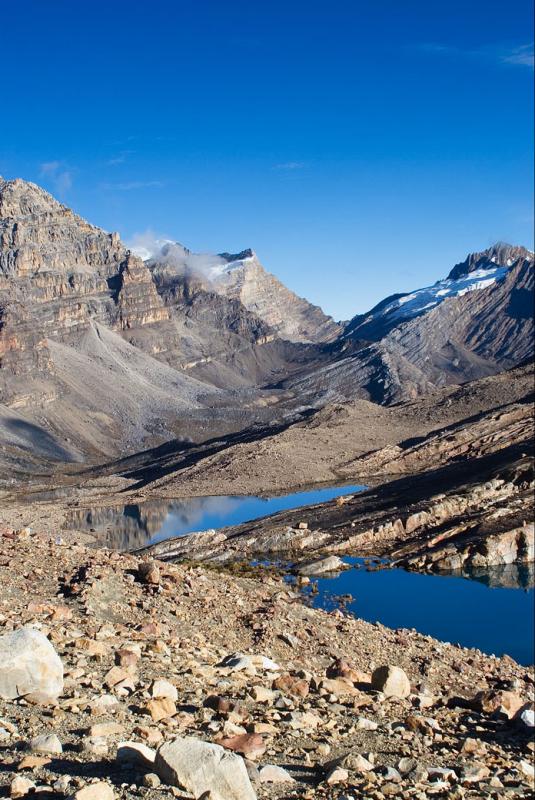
(103, 352)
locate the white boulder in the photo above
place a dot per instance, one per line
(201, 767)
(29, 665)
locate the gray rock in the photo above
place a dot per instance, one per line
(272, 773)
(328, 564)
(29, 664)
(200, 767)
(136, 752)
(46, 743)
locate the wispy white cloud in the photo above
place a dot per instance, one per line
(520, 55)
(58, 174)
(49, 167)
(290, 165)
(120, 158)
(130, 186)
(523, 56)
(150, 245)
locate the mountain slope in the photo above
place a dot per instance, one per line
(100, 353)
(476, 322)
(241, 277)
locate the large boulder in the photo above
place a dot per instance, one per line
(200, 767)
(392, 681)
(29, 665)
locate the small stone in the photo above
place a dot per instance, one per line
(46, 743)
(126, 658)
(151, 780)
(161, 688)
(161, 708)
(62, 784)
(337, 775)
(251, 745)
(115, 676)
(322, 565)
(501, 702)
(135, 752)
(95, 791)
(295, 687)
(29, 664)
(21, 786)
(272, 773)
(357, 763)
(441, 773)
(471, 746)
(149, 572)
(95, 745)
(406, 765)
(364, 724)
(390, 774)
(475, 773)
(262, 694)
(527, 717)
(526, 769)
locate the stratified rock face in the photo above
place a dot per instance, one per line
(29, 665)
(241, 277)
(38, 234)
(292, 317)
(476, 322)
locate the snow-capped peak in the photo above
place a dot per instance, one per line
(407, 306)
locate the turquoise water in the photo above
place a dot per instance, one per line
(494, 618)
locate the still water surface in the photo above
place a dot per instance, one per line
(493, 611)
(133, 526)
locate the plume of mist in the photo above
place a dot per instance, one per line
(151, 247)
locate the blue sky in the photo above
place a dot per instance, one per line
(360, 147)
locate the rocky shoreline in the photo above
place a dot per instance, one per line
(480, 518)
(162, 660)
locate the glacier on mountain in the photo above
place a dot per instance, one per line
(411, 305)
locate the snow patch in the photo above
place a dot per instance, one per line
(421, 300)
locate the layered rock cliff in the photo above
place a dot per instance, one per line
(241, 277)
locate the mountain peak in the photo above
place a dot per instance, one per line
(242, 256)
(500, 254)
(20, 198)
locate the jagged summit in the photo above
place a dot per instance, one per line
(19, 198)
(500, 254)
(241, 277)
(244, 254)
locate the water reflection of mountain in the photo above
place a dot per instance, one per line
(132, 526)
(121, 527)
(505, 576)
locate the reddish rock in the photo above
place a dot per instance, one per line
(251, 745)
(296, 687)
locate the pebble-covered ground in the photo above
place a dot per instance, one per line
(149, 654)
